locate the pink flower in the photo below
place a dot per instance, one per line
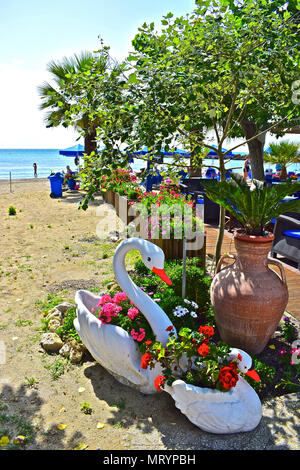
(138, 336)
(108, 310)
(132, 313)
(119, 297)
(105, 298)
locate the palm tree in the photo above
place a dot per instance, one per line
(283, 153)
(58, 98)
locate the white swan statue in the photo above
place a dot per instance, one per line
(111, 345)
(238, 410)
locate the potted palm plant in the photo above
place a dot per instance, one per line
(248, 297)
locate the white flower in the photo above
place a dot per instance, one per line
(194, 304)
(180, 311)
(186, 301)
(194, 314)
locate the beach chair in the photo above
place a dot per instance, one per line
(287, 238)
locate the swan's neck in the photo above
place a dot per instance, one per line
(155, 316)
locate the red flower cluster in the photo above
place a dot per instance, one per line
(203, 350)
(206, 330)
(146, 358)
(228, 376)
(159, 381)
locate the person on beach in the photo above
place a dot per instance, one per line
(246, 168)
(35, 170)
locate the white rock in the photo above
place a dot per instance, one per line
(64, 307)
(51, 342)
(54, 324)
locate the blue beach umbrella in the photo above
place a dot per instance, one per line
(213, 153)
(75, 151)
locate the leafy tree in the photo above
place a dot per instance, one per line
(211, 71)
(283, 153)
(59, 97)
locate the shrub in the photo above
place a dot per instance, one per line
(12, 210)
(197, 286)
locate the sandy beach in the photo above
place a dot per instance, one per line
(48, 247)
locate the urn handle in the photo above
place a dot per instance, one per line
(280, 266)
(221, 260)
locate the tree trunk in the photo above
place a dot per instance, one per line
(195, 166)
(256, 149)
(220, 237)
(90, 143)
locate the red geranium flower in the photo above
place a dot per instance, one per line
(146, 358)
(207, 330)
(203, 350)
(169, 328)
(228, 376)
(159, 381)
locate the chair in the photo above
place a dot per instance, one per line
(194, 188)
(287, 238)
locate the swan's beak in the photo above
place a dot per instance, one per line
(161, 273)
(253, 374)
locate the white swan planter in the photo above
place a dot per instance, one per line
(211, 410)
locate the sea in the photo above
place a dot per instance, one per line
(19, 163)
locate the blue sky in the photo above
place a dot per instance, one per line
(33, 32)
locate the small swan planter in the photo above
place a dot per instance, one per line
(211, 410)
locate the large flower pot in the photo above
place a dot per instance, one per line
(247, 296)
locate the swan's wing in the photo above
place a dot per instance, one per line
(210, 410)
(110, 345)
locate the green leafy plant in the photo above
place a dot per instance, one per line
(192, 357)
(256, 206)
(86, 408)
(266, 373)
(197, 286)
(68, 330)
(289, 330)
(12, 210)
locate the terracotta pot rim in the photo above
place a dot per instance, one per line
(254, 238)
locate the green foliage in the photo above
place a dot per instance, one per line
(57, 368)
(68, 330)
(86, 408)
(289, 330)
(266, 374)
(192, 357)
(51, 301)
(254, 206)
(169, 297)
(283, 153)
(12, 210)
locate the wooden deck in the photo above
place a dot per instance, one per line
(292, 274)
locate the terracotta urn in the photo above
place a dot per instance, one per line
(247, 296)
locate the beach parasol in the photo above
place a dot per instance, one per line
(75, 151)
